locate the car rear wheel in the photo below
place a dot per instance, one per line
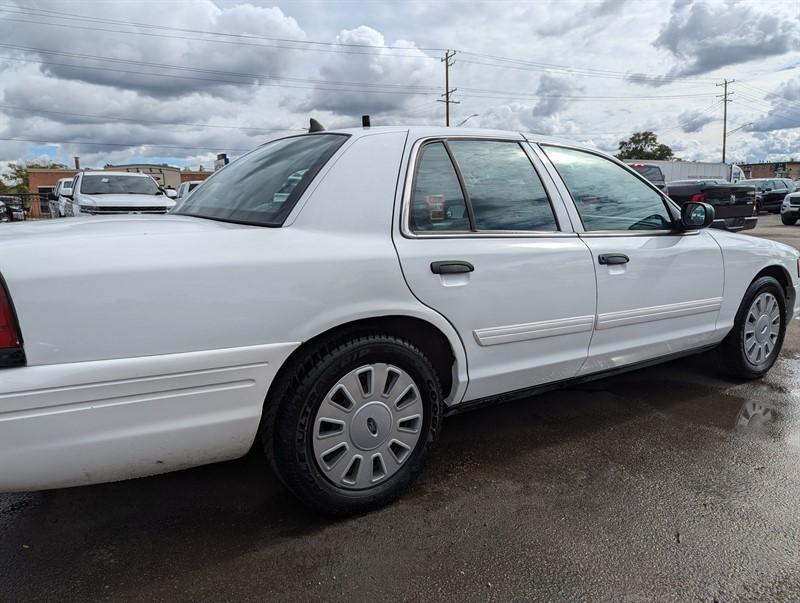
(788, 221)
(356, 424)
(755, 341)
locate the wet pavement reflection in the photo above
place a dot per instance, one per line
(668, 483)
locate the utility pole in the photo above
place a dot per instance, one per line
(725, 100)
(447, 60)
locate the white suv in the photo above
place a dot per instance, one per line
(331, 296)
(104, 193)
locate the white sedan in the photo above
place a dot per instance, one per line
(332, 296)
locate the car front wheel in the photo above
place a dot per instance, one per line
(755, 341)
(356, 424)
(788, 221)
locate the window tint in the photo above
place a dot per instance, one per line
(438, 203)
(263, 186)
(503, 187)
(607, 196)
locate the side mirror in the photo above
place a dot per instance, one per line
(66, 192)
(695, 216)
(52, 196)
(171, 193)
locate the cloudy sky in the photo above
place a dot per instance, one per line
(178, 80)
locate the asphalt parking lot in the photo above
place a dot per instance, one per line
(668, 483)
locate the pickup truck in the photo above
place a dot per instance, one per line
(733, 203)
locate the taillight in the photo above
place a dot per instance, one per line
(698, 198)
(11, 353)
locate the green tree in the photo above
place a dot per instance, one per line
(16, 180)
(644, 145)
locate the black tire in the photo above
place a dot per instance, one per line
(731, 356)
(788, 221)
(287, 439)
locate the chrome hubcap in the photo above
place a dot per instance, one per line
(762, 328)
(367, 426)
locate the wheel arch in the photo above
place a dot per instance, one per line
(444, 350)
(780, 274)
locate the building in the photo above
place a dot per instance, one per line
(167, 176)
(42, 181)
(779, 169)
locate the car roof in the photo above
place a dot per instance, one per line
(417, 132)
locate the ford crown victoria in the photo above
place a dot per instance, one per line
(331, 296)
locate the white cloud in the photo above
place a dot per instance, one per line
(182, 117)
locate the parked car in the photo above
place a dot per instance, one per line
(410, 273)
(105, 193)
(733, 203)
(14, 208)
(652, 172)
(790, 184)
(790, 209)
(769, 193)
(187, 187)
(57, 199)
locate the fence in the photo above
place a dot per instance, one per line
(37, 207)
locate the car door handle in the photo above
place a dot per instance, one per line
(451, 267)
(612, 259)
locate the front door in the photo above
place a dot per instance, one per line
(658, 290)
(487, 242)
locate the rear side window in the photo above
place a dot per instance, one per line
(262, 187)
(438, 202)
(478, 185)
(607, 196)
(652, 172)
(503, 187)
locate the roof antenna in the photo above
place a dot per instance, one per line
(315, 126)
(365, 121)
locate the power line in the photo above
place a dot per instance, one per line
(127, 144)
(62, 53)
(211, 80)
(324, 85)
(497, 61)
(139, 120)
(236, 43)
(93, 19)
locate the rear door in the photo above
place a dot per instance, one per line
(486, 241)
(659, 291)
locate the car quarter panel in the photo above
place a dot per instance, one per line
(89, 422)
(746, 256)
(195, 317)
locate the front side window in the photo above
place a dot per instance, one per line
(607, 196)
(262, 187)
(98, 184)
(503, 187)
(438, 202)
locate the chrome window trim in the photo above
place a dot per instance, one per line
(408, 187)
(638, 233)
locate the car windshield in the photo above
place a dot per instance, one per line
(118, 185)
(262, 187)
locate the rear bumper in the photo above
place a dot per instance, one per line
(90, 422)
